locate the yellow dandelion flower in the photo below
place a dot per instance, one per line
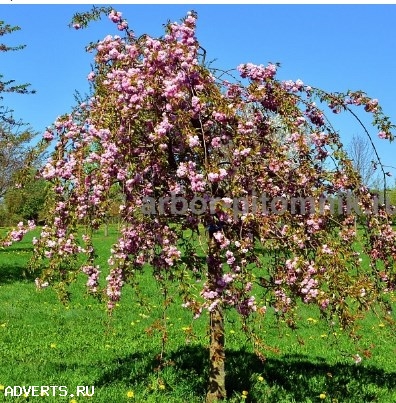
(53, 345)
(130, 394)
(260, 378)
(322, 396)
(73, 401)
(245, 393)
(2, 387)
(312, 320)
(162, 386)
(381, 325)
(232, 331)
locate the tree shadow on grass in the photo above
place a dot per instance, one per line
(128, 369)
(304, 377)
(138, 369)
(297, 376)
(14, 272)
(14, 264)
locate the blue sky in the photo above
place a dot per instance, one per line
(334, 47)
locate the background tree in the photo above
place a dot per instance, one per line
(364, 161)
(10, 85)
(27, 202)
(17, 155)
(391, 200)
(16, 152)
(15, 136)
(191, 153)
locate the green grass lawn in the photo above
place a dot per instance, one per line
(43, 342)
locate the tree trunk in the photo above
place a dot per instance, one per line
(216, 390)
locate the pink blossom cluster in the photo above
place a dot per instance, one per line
(301, 273)
(293, 86)
(128, 244)
(229, 288)
(184, 32)
(57, 241)
(217, 176)
(255, 72)
(18, 233)
(282, 301)
(371, 106)
(222, 240)
(315, 115)
(314, 224)
(226, 291)
(110, 49)
(309, 288)
(172, 254)
(246, 306)
(116, 17)
(114, 285)
(246, 128)
(93, 277)
(189, 171)
(358, 98)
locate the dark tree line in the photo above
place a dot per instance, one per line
(21, 197)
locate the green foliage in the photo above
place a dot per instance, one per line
(16, 154)
(7, 29)
(391, 194)
(391, 197)
(17, 157)
(28, 202)
(81, 20)
(10, 85)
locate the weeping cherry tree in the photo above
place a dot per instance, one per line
(252, 162)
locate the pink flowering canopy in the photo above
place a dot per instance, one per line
(160, 124)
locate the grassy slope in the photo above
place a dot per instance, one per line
(44, 343)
